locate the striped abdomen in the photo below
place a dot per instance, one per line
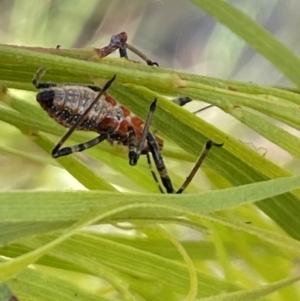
(66, 104)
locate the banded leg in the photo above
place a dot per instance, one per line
(56, 153)
(161, 167)
(209, 144)
(136, 148)
(153, 172)
(44, 85)
(159, 163)
(132, 146)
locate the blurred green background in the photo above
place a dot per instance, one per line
(177, 35)
(174, 33)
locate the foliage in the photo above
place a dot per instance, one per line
(238, 249)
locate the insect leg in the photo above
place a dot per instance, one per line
(136, 148)
(81, 118)
(132, 145)
(161, 168)
(153, 172)
(159, 163)
(141, 55)
(203, 109)
(209, 144)
(56, 153)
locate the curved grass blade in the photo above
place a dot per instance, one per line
(93, 252)
(51, 206)
(35, 285)
(232, 161)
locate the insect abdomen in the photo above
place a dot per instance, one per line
(66, 104)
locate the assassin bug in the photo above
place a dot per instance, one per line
(90, 108)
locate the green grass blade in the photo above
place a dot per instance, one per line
(51, 206)
(93, 251)
(38, 286)
(10, 268)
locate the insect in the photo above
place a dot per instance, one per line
(90, 108)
